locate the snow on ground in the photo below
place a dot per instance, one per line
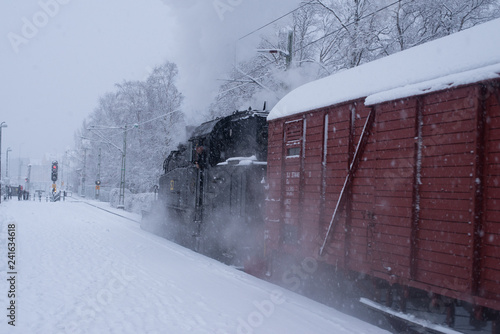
(84, 270)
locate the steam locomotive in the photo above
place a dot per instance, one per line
(211, 195)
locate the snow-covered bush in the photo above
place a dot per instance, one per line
(133, 202)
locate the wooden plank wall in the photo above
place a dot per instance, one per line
(312, 186)
(291, 189)
(337, 160)
(490, 275)
(395, 147)
(445, 238)
(362, 200)
(273, 200)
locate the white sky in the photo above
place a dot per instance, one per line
(80, 49)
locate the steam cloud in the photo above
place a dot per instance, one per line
(208, 41)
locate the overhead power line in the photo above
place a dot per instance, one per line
(279, 18)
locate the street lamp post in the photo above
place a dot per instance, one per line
(84, 167)
(7, 162)
(121, 198)
(98, 178)
(2, 125)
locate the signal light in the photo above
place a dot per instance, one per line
(54, 171)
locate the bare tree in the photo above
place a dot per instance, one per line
(332, 35)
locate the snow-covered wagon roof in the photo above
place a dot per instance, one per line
(466, 57)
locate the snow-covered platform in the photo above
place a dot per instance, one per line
(84, 270)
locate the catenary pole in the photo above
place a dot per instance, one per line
(2, 125)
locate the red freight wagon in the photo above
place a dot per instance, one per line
(391, 170)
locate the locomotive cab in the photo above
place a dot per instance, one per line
(243, 134)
